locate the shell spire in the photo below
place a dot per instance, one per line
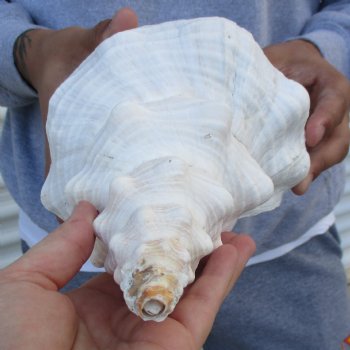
(173, 132)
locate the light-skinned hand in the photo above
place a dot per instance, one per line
(35, 315)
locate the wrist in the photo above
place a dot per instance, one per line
(28, 56)
(306, 45)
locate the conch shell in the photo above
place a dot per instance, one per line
(173, 132)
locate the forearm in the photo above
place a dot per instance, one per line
(28, 56)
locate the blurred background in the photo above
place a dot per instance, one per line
(10, 244)
(10, 248)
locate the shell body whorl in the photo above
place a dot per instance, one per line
(173, 132)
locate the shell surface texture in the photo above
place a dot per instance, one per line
(173, 132)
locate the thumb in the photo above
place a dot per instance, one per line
(56, 259)
(124, 19)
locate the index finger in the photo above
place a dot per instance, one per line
(206, 295)
(57, 258)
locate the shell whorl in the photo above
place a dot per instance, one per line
(173, 132)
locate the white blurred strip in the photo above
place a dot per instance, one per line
(321, 227)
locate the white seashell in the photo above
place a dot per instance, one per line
(173, 132)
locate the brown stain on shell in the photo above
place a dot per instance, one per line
(152, 283)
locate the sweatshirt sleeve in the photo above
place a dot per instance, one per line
(14, 20)
(329, 30)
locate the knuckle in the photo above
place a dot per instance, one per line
(77, 224)
(343, 93)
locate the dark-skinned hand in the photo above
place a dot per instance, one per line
(45, 58)
(327, 129)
